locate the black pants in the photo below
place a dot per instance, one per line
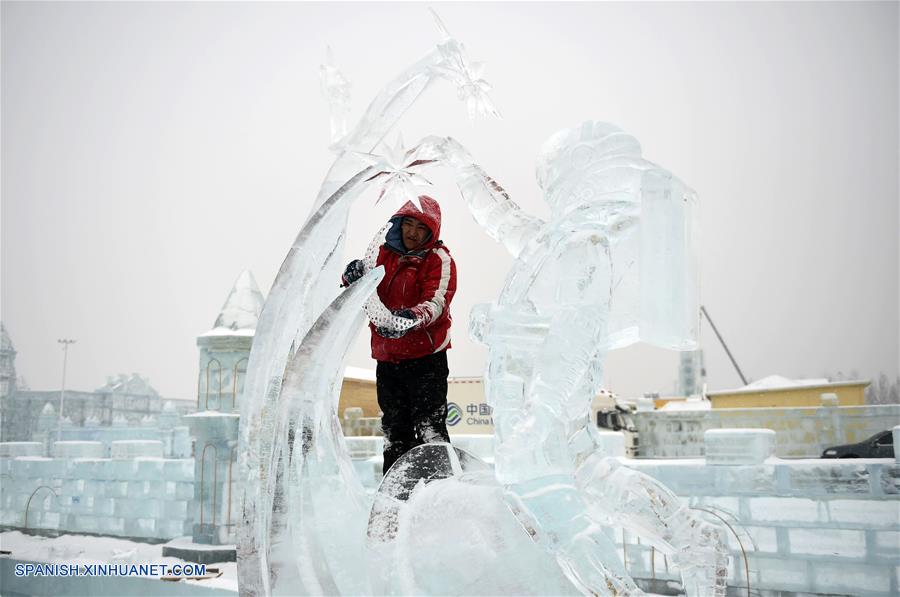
(412, 395)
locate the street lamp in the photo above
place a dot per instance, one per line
(62, 395)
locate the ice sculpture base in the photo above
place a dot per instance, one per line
(440, 525)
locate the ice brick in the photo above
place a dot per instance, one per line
(828, 542)
(149, 468)
(16, 449)
(138, 489)
(829, 478)
(140, 527)
(776, 509)
(78, 449)
(169, 529)
(890, 479)
(759, 539)
(687, 480)
(112, 525)
(50, 520)
(116, 489)
(104, 506)
(727, 505)
(181, 469)
(184, 491)
(780, 573)
(738, 446)
(125, 449)
(175, 509)
(869, 513)
(746, 479)
(86, 523)
(849, 578)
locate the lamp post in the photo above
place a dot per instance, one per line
(62, 395)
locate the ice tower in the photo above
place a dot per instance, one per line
(223, 364)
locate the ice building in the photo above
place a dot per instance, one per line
(224, 351)
(131, 463)
(126, 407)
(119, 463)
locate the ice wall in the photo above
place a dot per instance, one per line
(127, 496)
(800, 525)
(800, 432)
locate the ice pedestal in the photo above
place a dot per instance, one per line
(440, 526)
(215, 444)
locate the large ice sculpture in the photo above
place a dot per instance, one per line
(614, 264)
(292, 493)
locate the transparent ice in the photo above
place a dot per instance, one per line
(614, 264)
(284, 544)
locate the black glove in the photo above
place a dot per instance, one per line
(390, 334)
(394, 334)
(355, 270)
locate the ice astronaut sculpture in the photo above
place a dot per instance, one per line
(614, 264)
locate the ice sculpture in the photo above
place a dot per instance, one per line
(614, 264)
(291, 494)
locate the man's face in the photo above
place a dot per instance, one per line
(414, 232)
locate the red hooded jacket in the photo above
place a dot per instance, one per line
(424, 279)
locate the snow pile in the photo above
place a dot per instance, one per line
(85, 549)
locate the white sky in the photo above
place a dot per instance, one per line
(150, 152)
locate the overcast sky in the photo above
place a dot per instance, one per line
(150, 152)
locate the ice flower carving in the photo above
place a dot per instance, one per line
(470, 86)
(336, 90)
(398, 170)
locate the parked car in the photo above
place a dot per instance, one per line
(880, 445)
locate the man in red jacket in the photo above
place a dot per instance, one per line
(411, 375)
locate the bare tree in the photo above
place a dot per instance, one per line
(883, 391)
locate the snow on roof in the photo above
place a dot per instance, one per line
(777, 382)
(691, 403)
(241, 309)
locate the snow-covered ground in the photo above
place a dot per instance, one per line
(84, 549)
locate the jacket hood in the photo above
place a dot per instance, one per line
(430, 215)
